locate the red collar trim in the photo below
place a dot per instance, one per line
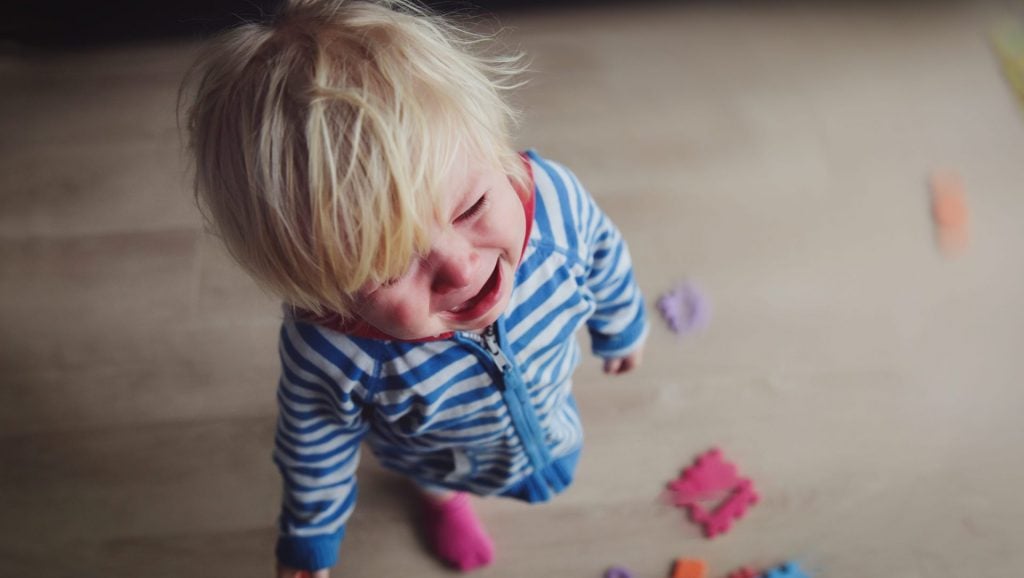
(360, 328)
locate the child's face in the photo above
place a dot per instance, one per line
(464, 282)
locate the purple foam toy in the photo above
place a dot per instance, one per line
(617, 572)
(685, 308)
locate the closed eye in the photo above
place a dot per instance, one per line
(395, 280)
(382, 285)
(475, 210)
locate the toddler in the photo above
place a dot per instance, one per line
(356, 160)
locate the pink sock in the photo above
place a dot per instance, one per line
(456, 533)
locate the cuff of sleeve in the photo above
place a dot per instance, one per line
(310, 553)
(622, 343)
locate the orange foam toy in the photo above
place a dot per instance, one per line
(689, 568)
(949, 211)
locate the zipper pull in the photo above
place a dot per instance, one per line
(494, 348)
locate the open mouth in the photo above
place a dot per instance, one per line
(483, 301)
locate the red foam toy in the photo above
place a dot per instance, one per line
(710, 478)
(744, 572)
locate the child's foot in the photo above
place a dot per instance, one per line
(455, 532)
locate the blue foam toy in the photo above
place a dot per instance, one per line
(787, 570)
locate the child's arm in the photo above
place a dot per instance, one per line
(320, 426)
(618, 325)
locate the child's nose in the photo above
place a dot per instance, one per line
(454, 264)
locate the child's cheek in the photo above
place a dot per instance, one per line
(407, 315)
(490, 230)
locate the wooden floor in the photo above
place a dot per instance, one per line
(776, 155)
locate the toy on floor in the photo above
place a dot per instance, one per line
(689, 568)
(949, 211)
(787, 570)
(1008, 39)
(712, 477)
(685, 308)
(617, 572)
(695, 568)
(720, 519)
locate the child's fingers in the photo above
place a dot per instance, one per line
(623, 364)
(612, 366)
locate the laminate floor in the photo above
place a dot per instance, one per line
(776, 154)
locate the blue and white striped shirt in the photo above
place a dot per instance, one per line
(492, 415)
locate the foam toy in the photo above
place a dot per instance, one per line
(684, 308)
(1008, 40)
(689, 568)
(949, 211)
(713, 478)
(787, 570)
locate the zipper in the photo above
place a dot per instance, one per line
(493, 346)
(517, 400)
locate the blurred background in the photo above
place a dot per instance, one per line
(777, 154)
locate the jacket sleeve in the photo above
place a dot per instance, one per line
(618, 325)
(319, 429)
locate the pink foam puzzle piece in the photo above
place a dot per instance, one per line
(744, 572)
(710, 477)
(713, 478)
(719, 520)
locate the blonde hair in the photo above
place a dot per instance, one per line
(321, 138)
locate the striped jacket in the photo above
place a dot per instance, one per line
(490, 414)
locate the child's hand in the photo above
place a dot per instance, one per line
(286, 572)
(619, 365)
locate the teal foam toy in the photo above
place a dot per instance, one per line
(787, 570)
